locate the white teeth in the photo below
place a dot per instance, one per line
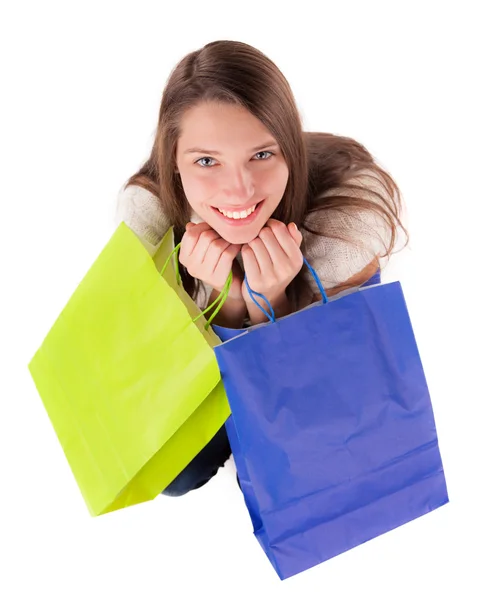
(238, 215)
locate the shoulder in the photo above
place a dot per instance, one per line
(365, 185)
(141, 211)
(342, 238)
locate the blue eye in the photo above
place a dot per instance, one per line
(264, 152)
(204, 158)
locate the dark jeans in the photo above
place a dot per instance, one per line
(202, 467)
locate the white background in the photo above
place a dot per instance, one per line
(413, 82)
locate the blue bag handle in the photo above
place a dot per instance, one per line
(271, 314)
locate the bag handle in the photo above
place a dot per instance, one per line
(271, 314)
(219, 300)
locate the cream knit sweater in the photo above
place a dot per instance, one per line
(334, 259)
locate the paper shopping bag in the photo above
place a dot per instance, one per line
(128, 379)
(332, 428)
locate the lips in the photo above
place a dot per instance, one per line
(238, 214)
(239, 217)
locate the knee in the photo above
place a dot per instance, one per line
(186, 482)
(175, 490)
(203, 467)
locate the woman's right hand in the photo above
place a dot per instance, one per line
(209, 258)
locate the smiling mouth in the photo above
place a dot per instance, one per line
(238, 215)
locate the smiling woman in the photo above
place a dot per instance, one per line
(231, 157)
(247, 190)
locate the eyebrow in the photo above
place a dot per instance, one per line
(269, 144)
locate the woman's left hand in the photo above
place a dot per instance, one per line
(271, 262)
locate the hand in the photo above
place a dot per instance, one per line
(271, 262)
(208, 257)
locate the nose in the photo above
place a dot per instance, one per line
(239, 186)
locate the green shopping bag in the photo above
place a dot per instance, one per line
(128, 378)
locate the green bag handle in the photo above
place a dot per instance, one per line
(219, 300)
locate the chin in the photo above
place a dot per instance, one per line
(239, 237)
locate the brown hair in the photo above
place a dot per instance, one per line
(237, 73)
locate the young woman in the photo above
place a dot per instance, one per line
(247, 190)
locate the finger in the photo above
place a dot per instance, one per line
(226, 260)
(190, 238)
(295, 234)
(262, 255)
(203, 241)
(285, 239)
(276, 253)
(213, 254)
(251, 268)
(195, 228)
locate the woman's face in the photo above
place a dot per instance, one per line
(232, 170)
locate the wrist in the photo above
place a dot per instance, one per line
(234, 294)
(232, 313)
(279, 302)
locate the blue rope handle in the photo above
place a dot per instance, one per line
(271, 315)
(317, 281)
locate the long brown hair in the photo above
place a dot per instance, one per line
(236, 73)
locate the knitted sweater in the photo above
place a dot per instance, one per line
(354, 238)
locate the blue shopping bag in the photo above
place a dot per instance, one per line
(332, 428)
